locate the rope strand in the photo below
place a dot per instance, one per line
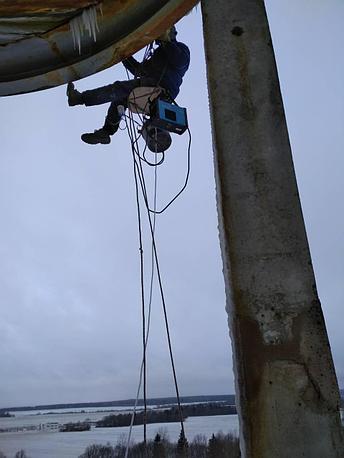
(140, 183)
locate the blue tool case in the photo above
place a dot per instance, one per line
(170, 117)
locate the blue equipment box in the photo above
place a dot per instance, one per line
(169, 117)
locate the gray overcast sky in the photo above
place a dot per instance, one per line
(70, 327)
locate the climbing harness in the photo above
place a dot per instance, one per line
(160, 117)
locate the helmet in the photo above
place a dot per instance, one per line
(169, 35)
(173, 33)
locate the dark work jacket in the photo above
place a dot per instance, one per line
(167, 66)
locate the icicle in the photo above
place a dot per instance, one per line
(85, 22)
(194, 9)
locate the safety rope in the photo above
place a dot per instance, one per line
(144, 192)
(140, 183)
(143, 372)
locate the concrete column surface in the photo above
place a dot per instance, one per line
(287, 391)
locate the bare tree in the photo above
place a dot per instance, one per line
(21, 454)
(98, 451)
(198, 447)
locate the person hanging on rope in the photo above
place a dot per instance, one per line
(165, 68)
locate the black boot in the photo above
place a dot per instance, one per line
(98, 136)
(74, 96)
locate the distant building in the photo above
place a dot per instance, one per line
(52, 426)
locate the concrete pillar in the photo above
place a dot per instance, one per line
(287, 392)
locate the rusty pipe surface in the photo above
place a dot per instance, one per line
(36, 43)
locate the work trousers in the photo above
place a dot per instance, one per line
(116, 93)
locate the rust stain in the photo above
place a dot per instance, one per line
(252, 343)
(55, 79)
(145, 35)
(55, 50)
(37, 7)
(298, 364)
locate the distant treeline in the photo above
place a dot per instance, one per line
(75, 427)
(208, 409)
(153, 416)
(218, 446)
(4, 414)
(229, 398)
(167, 415)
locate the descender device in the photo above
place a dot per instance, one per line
(161, 117)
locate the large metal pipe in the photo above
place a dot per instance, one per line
(287, 392)
(36, 42)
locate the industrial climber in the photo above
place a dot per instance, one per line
(165, 68)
